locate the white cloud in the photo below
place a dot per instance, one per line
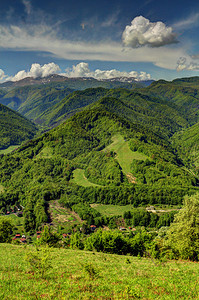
(2, 74)
(142, 32)
(184, 64)
(189, 22)
(44, 38)
(37, 70)
(82, 70)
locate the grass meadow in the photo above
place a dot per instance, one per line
(112, 210)
(80, 179)
(9, 149)
(124, 153)
(76, 274)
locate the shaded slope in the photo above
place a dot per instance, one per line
(163, 117)
(70, 105)
(14, 128)
(31, 101)
(187, 143)
(31, 97)
(135, 107)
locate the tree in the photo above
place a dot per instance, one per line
(183, 236)
(48, 237)
(5, 230)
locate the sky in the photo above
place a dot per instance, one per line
(145, 39)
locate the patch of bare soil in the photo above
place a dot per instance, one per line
(131, 178)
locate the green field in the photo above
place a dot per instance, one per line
(124, 153)
(9, 149)
(80, 179)
(112, 210)
(89, 275)
(119, 210)
(45, 153)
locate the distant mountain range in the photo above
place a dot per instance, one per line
(59, 78)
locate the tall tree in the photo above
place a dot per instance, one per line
(183, 235)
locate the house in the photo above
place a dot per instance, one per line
(18, 235)
(23, 240)
(122, 228)
(64, 235)
(93, 227)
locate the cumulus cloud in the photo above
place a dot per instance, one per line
(46, 39)
(82, 70)
(184, 64)
(142, 32)
(37, 70)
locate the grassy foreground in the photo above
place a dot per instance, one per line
(86, 275)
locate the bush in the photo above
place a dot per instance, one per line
(39, 260)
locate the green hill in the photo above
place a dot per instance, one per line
(183, 93)
(14, 129)
(32, 97)
(31, 101)
(71, 104)
(43, 169)
(75, 274)
(187, 143)
(163, 117)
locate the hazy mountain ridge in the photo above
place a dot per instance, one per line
(72, 80)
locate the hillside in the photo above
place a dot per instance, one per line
(183, 93)
(75, 274)
(43, 169)
(158, 114)
(14, 129)
(32, 97)
(31, 101)
(69, 105)
(187, 143)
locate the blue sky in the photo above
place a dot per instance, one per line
(144, 39)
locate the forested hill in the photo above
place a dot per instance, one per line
(184, 93)
(14, 129)
(97, 156)
(158, 114)
(31, 97)
(187, 144)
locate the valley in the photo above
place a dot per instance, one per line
(117, 149)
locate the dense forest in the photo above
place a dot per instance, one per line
(113, 146)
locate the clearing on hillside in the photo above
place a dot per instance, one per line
(124, 154)
(61, 216)
(45, 153)
(80, 179)
(9, 149)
